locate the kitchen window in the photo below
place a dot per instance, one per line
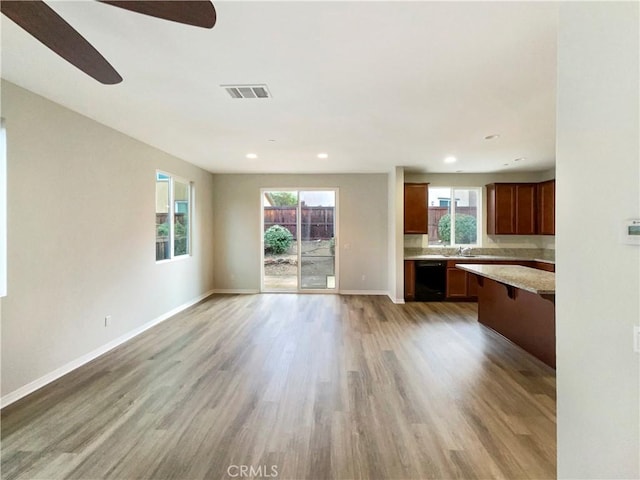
(173, 216)
(454, 216)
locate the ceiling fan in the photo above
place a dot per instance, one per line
(42, 22)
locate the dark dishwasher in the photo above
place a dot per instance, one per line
(430, 280)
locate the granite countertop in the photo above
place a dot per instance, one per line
(478, 257)
(526, 278)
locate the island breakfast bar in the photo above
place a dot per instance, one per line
(519, 303)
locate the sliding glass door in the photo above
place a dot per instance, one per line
(299, 240)
(280, 246)
(317, 239)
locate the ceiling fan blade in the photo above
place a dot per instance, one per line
(42, 22)
(199, 13)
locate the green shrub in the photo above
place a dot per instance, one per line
(277, 239)
(162, 230)
(466, 229)
(283, 199)
(180, 237)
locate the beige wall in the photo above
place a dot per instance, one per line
(396, 237)
(480, 180)
(362, 228)
(81, 200)
(3, 211)
(598, 277)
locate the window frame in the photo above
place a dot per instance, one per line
(171, 214)
(452, 209)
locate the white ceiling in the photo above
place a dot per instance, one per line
(373, 84)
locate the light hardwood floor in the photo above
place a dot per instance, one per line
(317, 386)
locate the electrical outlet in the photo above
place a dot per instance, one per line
(636, 339)
(364, 277)
(107, 320)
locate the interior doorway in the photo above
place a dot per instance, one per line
(299, 241)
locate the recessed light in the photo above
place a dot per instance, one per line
(518, 159)
(493, 136)
(506, 164)
(450, 160)
(323, 155)
(271, 140)
(252, 155)
(458, 171)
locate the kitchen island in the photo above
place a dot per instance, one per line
(519, 303)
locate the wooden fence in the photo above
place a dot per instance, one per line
(162, 243)
(317, 223)
(436, 213)
(162, 248)
(164, 218)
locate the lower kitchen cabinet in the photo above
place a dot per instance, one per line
(461, 285)
(457, 283)
(409, 280)
(472, 286)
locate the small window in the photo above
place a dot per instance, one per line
(173, 217)
(453, 216)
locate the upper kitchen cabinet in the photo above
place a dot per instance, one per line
(547, 208)
(416, 196)
(511, 208)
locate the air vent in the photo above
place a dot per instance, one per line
(247, 91)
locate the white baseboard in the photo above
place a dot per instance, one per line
(310, 292)
(237, 291)
(398, 301)
(78, 362)
(247, 291)
(363, 292)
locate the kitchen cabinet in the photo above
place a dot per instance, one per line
(416, 197)
(472, 286)
(511, 208)
(409, 280)
(526, 207)
(462, 285)
(547, 267)
(522, 311)
(547, 207)
(457, 283)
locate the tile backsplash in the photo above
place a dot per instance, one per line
(416, 241)
(541, 253)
